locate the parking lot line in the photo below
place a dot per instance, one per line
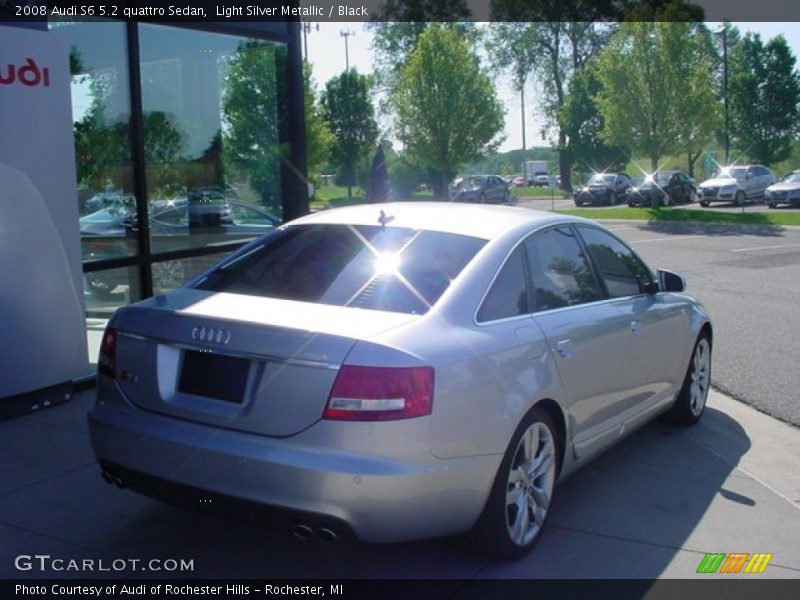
(765, 248)
(667, 239)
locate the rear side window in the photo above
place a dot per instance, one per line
(383, 268)
(508, 296)
(560, 272)
(621, 270)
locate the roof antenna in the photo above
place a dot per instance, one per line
(384, 219)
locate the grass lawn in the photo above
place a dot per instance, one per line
(333, 196)
(776, 217)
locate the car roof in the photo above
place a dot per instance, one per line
(481, 221)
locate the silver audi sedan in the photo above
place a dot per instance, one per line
(398, 371)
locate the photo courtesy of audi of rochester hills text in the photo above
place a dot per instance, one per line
(399, 299)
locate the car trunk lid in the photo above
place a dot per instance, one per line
(254, 364)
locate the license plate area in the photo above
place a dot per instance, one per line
(214, 375)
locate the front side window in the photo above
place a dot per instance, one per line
(560, 272)
(381, 268)
(622, 271)
(508, 296)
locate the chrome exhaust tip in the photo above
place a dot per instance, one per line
(325, 534)
(303, 532)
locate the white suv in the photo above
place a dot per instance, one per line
(736, 184)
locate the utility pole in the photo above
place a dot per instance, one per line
(522, 106)
(307, 28)
(346, 33)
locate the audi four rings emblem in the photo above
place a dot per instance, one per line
(211, 334)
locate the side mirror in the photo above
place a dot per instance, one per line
(670, 282)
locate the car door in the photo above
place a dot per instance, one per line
(657, 326)
(588, 336)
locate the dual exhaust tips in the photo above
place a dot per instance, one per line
(304, 532)
(301, 532)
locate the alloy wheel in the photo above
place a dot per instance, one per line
(700, 377)
(530, 483)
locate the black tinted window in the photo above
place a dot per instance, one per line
(393, 269)
(622, 272)
(508, 296)
(560, 273)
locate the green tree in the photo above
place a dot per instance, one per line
(319, 139)
(252, 107)
(346, 106)
(446, 105)
(764, 91)
(583, 123)
(655, 81)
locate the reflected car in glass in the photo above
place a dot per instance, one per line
(398, 371)
(205, 219)
(786, 191)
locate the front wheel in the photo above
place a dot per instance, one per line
(516, 511)
(691, 400)
(772, 204)
(704, 203)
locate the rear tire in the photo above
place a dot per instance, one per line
(772, 204)
(518, 505)
(578, 203)
(704, 203)
(691, 400)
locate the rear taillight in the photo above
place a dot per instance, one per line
(380, 393)
(107, 361)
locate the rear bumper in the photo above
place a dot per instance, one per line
(376, 498)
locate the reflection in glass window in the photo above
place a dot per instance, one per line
(622, 272)
(101, 115)
(509, 294)
(560, 272)
(213, 112)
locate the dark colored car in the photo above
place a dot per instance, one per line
(662, 189)
(603, 189)
(482, 189)
(786, 191)
(202, 220)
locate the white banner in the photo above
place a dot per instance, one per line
(42, 323)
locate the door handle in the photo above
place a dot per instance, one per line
(565, 348)
(635, 328)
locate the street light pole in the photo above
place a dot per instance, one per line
(724, 33)
(346, 33)
(307, 28)
(522, 107)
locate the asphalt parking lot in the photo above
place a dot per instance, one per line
(649, 508)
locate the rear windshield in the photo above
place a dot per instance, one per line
(382, 268)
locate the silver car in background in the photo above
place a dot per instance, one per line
(399, 371)
(786, 191)
(736, 184)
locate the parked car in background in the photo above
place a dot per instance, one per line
(603, 188)
(662, 189)
(786, 191)
(398, 371)
(736, 184)
(482, 189)
(518, 182)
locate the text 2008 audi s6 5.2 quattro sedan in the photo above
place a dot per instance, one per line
(399, 371)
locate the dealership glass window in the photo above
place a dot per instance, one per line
(101, 114)
(212, 110)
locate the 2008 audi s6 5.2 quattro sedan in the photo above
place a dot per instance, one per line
(399, 371)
